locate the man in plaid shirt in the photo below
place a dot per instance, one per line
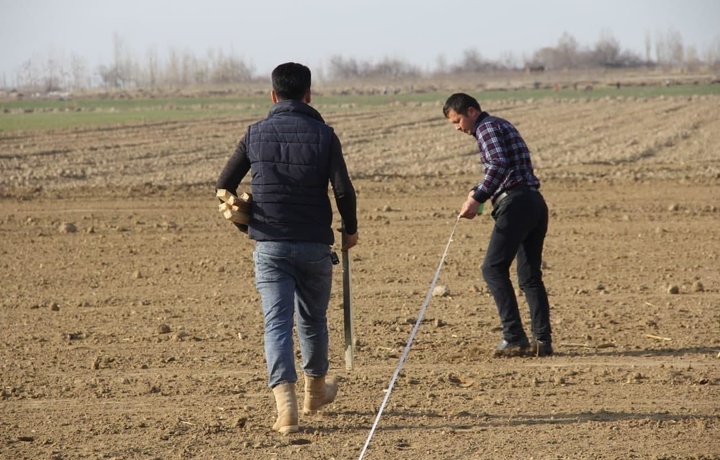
(521, 222)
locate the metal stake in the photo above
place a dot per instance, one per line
(347, 306)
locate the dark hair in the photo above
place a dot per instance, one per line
(291, 81)
(460, 103)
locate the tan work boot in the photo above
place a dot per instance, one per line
(287, 421)
(318, 392)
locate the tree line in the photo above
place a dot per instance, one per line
(218, 68)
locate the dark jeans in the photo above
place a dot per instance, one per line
(521, 222)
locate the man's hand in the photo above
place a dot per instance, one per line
(349, 241)
(470, 208)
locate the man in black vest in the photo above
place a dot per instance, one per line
(521, 222)
(292, 155)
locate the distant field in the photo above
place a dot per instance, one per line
(46, 114)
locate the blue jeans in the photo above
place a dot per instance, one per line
(521, 222)
(294, 279)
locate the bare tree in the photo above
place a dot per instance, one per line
(676, 47)
(508, 60)
(50, 74)
(29, 75)
(119, 71)
(692, 58)
(669, 49)
(567, 51)
(542, 58)
(662, 52)
(175, 68)
(230, 69)
(119, 74)
(648, 47)
(342, 69)
(473, 62)
(189, 64)
(607, 50)
(712, 55)
(171, 75)
(563, 56)
(78, 68)
(151, 58)
(202, 69)
(441, 65)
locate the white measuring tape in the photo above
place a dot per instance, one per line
(410, 341)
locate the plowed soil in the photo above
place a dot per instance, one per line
(131, 328)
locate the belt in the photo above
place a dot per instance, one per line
(518, 188)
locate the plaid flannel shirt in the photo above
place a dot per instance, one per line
(504, 155)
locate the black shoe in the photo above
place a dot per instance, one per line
(541, 348)
(509, 349)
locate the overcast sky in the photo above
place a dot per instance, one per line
(267, 32)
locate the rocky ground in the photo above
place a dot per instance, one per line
(132, 329)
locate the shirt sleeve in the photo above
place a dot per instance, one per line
(233, 173)
(235, 169)
(342, 187)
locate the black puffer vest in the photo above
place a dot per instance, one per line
(289, 156)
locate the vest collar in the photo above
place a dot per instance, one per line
(295, 106)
